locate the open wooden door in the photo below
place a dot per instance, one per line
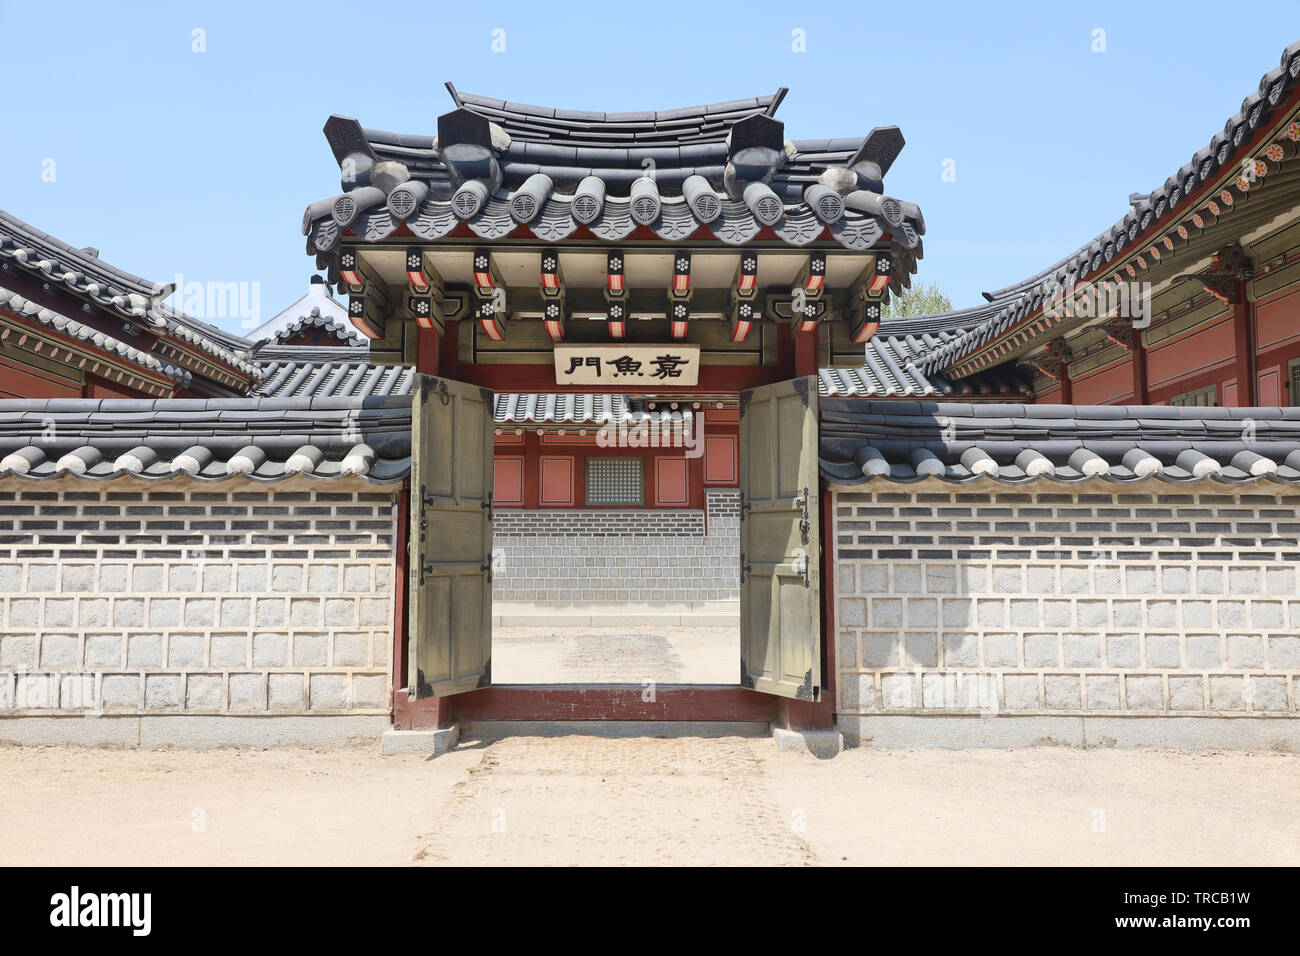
(780, 541)
(451, 538)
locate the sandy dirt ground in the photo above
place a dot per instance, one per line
(588, 800)
(616, 655)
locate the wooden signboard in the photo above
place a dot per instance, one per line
(627, 366)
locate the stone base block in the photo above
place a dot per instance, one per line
(424, 743)
(823, 744)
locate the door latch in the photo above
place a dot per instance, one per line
(801, 565)
(805, 523)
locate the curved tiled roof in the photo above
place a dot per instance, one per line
(545, 155)
(691, 124)
(313, 319)
(1163, 214)
(261, 439)
(18, 305)
(957, 442)
(292, 372)
(82, 272)
(890, 368)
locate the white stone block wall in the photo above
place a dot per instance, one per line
(1162, 600)
(182, 597)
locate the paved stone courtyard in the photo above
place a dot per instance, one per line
(664, 654)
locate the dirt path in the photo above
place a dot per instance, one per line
(577, 800)
(588, 800)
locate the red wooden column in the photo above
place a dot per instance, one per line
(1241, 360)
(805, 353)
(449, 351)
(1138, 356)
(1243, 328)
(428, 352)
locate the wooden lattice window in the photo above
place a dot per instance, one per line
(1208, 396)
(615, 481)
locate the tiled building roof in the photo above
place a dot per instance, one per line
(1155, 229)
(957, 442)
(331, 372)
(340, 329)
(82, 272)
(315, 310)
(553, 172)
(261, 439)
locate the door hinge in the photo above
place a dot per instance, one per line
(487, 566)
(801, 388)
(426, 567)
(487, 505)
(745, 568)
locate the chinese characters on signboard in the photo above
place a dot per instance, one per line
(624, 366)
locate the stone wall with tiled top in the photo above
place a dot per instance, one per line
(1156, 601)
(196, 599)
(584, 556)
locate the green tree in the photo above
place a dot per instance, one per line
(920, 299)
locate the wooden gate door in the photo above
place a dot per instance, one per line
(780, 540)
(451, 538)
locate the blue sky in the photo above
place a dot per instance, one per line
(200, 163)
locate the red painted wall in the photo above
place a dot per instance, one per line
(1173, 365)
(529, 472)
(17, 381)
(1112, 385)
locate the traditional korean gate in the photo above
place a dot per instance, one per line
(780, 541)
(450, 609)
(451, 538)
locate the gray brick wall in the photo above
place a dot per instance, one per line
(587, 556)
(190, 598)
(597, 523)
(1168, 601)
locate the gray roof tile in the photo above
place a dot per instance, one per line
(158, 440)
(873, 440)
